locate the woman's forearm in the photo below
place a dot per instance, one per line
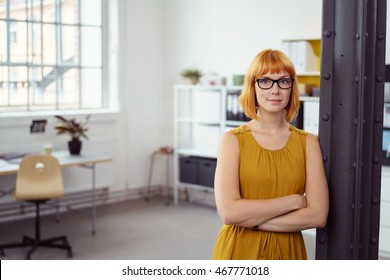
(296, 220)
(250, 213)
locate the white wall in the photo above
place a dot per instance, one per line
(224, 35)
(143, 97)
(157, 39)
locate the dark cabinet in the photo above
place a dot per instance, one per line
(197, 170)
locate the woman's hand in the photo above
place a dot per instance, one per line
(301, 201)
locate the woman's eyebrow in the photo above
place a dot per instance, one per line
(281, 77)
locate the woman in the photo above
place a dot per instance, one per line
(270, 182)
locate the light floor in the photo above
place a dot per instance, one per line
(133, 229)
(129, 230)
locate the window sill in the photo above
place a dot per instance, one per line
(25, 118)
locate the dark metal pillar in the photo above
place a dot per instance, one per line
(351, 115)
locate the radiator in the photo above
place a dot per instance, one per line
(16, 210)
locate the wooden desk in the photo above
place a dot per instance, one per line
(65, 159)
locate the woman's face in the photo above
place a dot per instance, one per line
(272, 96)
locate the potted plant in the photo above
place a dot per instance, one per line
(75, 129)
(192, 75)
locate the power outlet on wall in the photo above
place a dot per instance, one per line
(38, 126)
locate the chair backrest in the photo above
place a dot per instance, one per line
(39, 177)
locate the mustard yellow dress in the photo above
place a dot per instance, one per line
(266, 174)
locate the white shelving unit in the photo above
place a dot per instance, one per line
(384, 231)
(199, 121)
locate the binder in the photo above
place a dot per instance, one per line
(302, 55)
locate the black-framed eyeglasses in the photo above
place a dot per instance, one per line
(267, 83)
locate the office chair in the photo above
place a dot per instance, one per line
(38, 180)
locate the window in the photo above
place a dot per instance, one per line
(51, 55)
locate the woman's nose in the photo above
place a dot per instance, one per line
(275, 88)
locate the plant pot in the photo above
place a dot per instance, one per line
(74, 146)
(193, 80)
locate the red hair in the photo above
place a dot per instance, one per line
(268, 61)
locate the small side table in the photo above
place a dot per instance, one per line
(166, 152)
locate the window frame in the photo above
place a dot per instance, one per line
(109, 28)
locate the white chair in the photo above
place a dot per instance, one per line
(38, 180)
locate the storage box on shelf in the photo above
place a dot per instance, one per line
(200, 118)
(197, 170)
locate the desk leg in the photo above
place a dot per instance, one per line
(93, 194)
(150, 176)
(93, 199)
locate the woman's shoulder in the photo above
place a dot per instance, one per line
(232, 136)
(240, 129)
(309, 136)
(298, 131)
(309, 139)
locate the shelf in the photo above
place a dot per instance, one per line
(197, 187)
(233, 88)
(309, 98)
(301, 39)
(199, 121)
(234, 123)
(200, 87)
(207, 153)
(309, 73)
(208, 87)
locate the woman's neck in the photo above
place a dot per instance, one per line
(271, 124)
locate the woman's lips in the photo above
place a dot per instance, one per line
(275, 101)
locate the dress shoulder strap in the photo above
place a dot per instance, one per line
(300, 131)
(240, 130)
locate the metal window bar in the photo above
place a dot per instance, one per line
(58, 70)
